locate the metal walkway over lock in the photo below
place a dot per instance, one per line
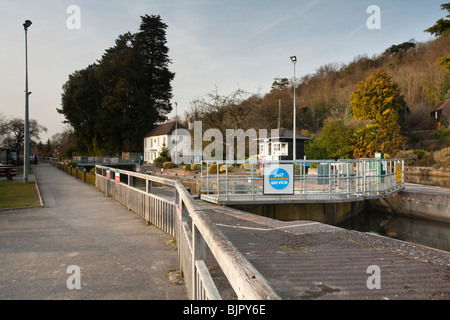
(329, 181)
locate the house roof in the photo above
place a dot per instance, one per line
(285, 134)
(164, 129)
(442, 105)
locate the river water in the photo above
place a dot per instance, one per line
(428, 233)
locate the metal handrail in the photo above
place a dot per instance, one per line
(193, 231)
(360, 178)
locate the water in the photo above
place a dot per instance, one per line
(431, 234)
(428, 233)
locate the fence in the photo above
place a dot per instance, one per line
(330, 180)
(168, 205)
(81, 174)
(85, 160)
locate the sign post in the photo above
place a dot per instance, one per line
(108, 183)
(279, 179)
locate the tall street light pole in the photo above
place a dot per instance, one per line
(26, 155)
(294, 138)
(176, 133)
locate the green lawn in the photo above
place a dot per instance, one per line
(19, 170)
(15, 194)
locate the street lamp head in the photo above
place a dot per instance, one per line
(294, 59)
(27, 24)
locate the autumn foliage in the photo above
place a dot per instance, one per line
(378, 99)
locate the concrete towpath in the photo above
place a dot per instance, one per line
(118, 256)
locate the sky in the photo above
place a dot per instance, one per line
(222, 45)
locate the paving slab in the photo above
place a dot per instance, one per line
(118, 255)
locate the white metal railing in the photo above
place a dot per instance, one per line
(86, 160)
(330, 180)
(168, 205)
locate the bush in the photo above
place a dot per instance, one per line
(72, 164)
(421, 154)
(247, 166)
(187, 167)
(169, 165)
(213, 168)
(196, 167)
(442, 134)
(223, 168)
(158, 162)
(442, 157)
(408, 155)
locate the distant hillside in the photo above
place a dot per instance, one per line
(323, 102)
(326, 93)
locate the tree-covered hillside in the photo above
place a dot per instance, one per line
(415, 77)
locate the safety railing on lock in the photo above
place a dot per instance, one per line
(313, 179)
(169, 206)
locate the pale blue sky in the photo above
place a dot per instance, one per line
(225, 44)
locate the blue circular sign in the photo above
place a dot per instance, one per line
(279, 179)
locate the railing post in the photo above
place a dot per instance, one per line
(329, 180)
(108, 182)
(198, 253)
(148, 186)
(364, 177)
(252, 181)
(218, 181)
(207, 177)
(226, 181)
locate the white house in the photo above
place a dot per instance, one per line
(162, 135)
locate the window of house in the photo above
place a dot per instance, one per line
(279, 149)
(263, 149)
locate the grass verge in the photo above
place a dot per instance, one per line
(15, 194)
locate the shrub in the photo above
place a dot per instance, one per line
(442, 157)
(187, 167)
(169, 165)
(159, 162)
(213, 168)
(196, 167)
(421, 154)
(72, 164)
(408, 155)
(247, 166)
(442, 134)
(223, 168)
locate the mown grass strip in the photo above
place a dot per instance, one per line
(16, 194)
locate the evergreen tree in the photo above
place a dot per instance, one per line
(442, 26)
(112, 104)
(378, 99)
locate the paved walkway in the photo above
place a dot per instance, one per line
(118, 255)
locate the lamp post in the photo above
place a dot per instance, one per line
(294, 138)
(26, 155)
(176, 133)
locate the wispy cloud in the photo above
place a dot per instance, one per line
(282, 19)
(349, 35)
